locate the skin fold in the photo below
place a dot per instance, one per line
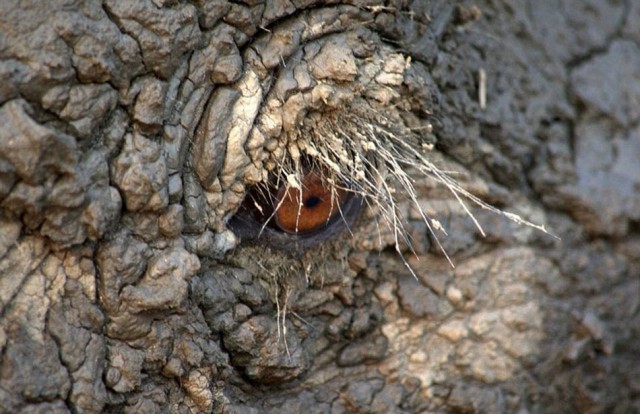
(136, 277)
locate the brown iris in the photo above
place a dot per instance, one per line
(294, 218)
(309, 208)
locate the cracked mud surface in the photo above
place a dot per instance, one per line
(130, 132)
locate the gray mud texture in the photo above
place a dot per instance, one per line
(130, 132)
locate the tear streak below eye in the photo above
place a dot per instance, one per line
(307, 209)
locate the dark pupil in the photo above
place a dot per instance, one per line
(312, 201)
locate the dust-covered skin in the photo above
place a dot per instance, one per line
(131, 131)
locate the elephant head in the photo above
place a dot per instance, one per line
(317, 206)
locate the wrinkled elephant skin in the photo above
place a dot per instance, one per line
(131, 132)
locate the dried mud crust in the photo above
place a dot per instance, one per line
(131, 131)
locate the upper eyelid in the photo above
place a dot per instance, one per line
(265, 121)
(252, 90)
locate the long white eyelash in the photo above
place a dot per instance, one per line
(366, 150)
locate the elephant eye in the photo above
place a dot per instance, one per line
(307, 208)
(298, 212)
